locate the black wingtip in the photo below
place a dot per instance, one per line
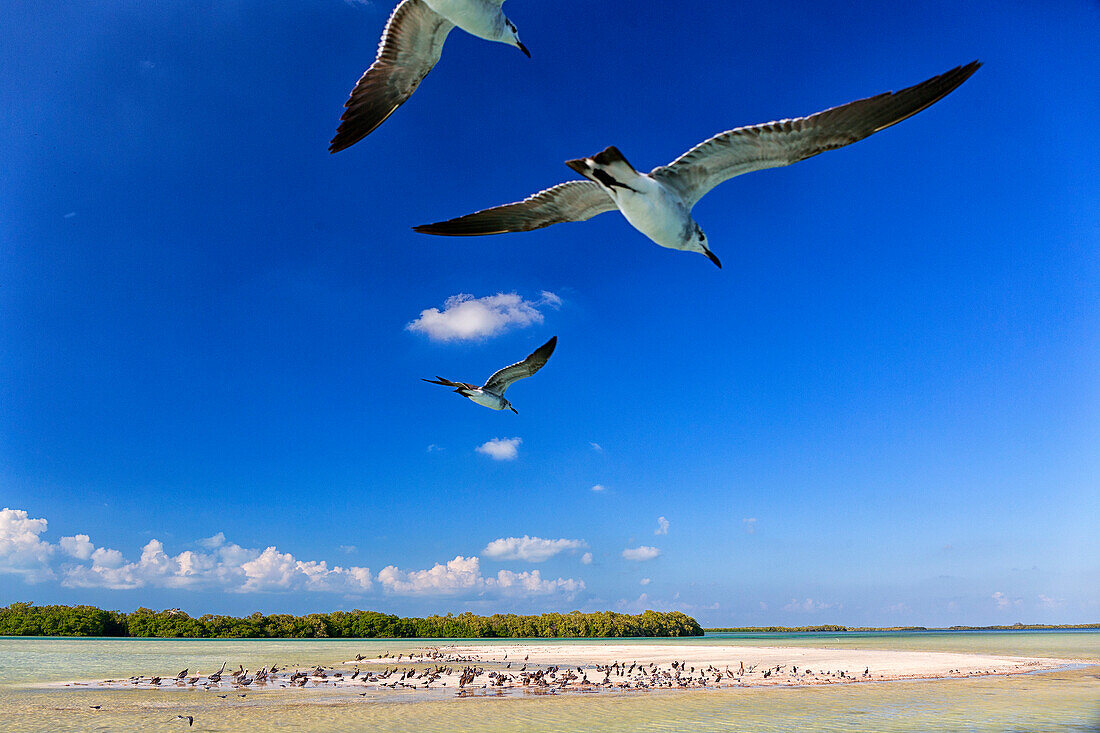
(523, 48)
(713, 258)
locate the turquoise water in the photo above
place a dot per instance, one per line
(1064, 700)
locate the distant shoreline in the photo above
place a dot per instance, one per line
(29, 620)
(843, 629)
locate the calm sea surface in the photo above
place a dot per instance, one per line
(1067, 700)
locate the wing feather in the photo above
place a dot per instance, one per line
(572, 201)
(503, 378)
(411, 45)
(775, 144)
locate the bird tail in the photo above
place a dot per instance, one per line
(440, 380)
(609, 168)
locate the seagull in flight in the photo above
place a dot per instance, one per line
(412, 43)
(659, 203)
(491, 394)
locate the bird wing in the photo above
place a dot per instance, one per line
(775, 144)
(411, 44)
(572, 201)
(503, 378)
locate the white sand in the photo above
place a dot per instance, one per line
(594, 667)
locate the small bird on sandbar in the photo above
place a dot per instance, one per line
(659, 203)
(491, 394)
(412, 43)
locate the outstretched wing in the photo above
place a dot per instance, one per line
(411, 45)
(448, 383)
(775, 144)
(503, 378)
(572, 201)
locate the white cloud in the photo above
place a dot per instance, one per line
(70, 215)
(228, 567)
(750, 525)
(466, 318)
(501, 449)
(599, 487)
(644, 581)
(347, 549)
(586, 558)
(21, 550)
(79, 546)
(213, 542)
(662, 526)
(1004, 601)
(531, 549)
(433, 448)
(809, 605)
(641, 553)
(463, 576)
(596, 447)
(1048, 602)
(898, 608)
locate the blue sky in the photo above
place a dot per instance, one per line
(884, 409)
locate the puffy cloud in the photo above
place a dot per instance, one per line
(228, 567)
(213, 542)
(79, 546)
(501, 449)
(599, 487)
(662, 526)
(22, 552)
(231, 568)
(462, 576)
(749, 524)
(644, 581)
(462, 573)
(641, 553)
(586, 558)
(531, 549)
(466, 318)
(807, 606)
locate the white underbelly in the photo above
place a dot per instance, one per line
(657, 217)
(487, 399)
(473, 16)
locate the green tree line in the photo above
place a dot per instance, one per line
(27, 619)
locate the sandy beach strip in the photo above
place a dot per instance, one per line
(554, 668)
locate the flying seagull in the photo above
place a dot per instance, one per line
(491, 394)
(659, 203)
(412, 43)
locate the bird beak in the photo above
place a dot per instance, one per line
(513, 409)
(521, 47)
(712, 258)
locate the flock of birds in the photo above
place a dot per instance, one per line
(657, 203)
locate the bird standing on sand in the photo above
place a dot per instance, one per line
(412, 43)
(659, 203)
(491, 394)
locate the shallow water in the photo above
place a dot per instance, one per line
(1065, 700)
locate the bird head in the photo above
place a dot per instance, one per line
(511, 37)
(699, 244)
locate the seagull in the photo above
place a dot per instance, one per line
(659, 203)
(411, 44)
(491, 394)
